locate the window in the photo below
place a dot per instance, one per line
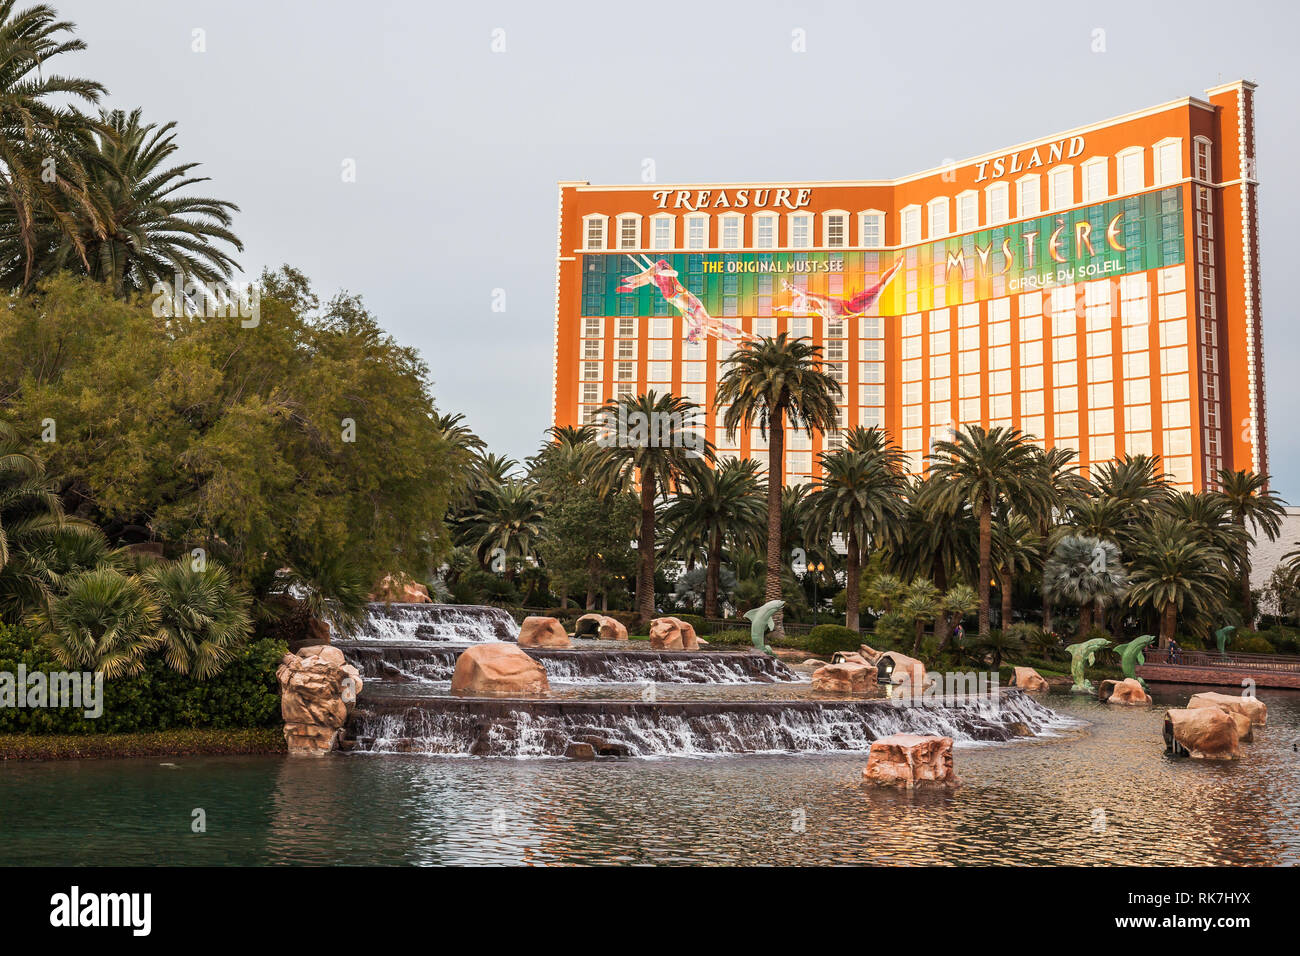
(1168, 161)
(594, 234)
(1060, 187)
(729, 224)
(801, 231)
(661, 232)
(911, 225)
(697, 232)
(871, 229)
(1128, 170)
(996, 197)
(835, 229)
(938, 217)
(765, 231)
(968, 211)
(1201, 160)
(1095, 180)
(1028, 196)
(629, 232)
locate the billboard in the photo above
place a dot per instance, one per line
(1102, 240)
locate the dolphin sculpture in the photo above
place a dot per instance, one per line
(1080, 656)
(761, 623)
(1221, 637)
(1130, 655)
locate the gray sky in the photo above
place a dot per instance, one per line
(458, 149)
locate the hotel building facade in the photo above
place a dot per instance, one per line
(1097, 289)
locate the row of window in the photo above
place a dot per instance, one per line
(941, 216)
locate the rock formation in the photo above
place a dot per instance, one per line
(1207, 733)
(672, 634)
(498, 670)
(910, 761)
(400, 589)
(908, 675)
(845, 678)
(543, 632)
(1126, 691)
(1029, 680)
(318, 689)
(600, 625)
(1252, 707)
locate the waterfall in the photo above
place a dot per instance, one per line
(515, 728)
(460, 623)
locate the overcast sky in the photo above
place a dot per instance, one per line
(458, 148)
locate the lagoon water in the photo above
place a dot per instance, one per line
(1100, 793)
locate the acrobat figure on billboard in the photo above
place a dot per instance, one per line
(803, 302)
(698, 320)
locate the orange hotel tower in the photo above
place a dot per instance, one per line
(1097, 289)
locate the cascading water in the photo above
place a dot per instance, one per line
(459, 623)
(515, 728)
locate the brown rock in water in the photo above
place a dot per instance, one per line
(869, 653)
(1252, 707)
(498, 670)
(580, 751)
(326, 652)
(1126, 691)
(400, 589)
(1245, 729)
(849, 677)
(849, 657)
(910, 761)
(588, 625)
(543, 632)
(1029, 680)
(317, 692)
(908, 675)
(673, 634)
(612, 629)
(1207, 733)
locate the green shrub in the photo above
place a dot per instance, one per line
(826, 639)
(244, 694)
(893, 631)
(730, 637)
(1248, 643)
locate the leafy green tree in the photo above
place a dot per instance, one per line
(764, 383)
(657, 449)
(988, 470)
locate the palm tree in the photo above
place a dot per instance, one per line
(958, 601)
(507, 521)
(767, 381)
(203, 617)
(859, 496)
(106, 621)
(989, 470)
(716, 506)
(1173, 571)
(1084, 571)
(1065, 487)
(922, 604)
(44, 145)
(1015, 550)
(660, 444)
(153, 232)
(1252, 504)
(1134, 480)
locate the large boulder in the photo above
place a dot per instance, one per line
(1207, 733)
(400, 589)
(600, 625)
(910, 761)
(1126, 691)
(672, 634)
(1029, 680)
(869, 653)
(848, 677)
(1252, 707)
(1245, 729)
(498, 670)
(850, 657)
(908, 675)
(543, 632)
(317, 692)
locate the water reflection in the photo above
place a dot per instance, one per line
(1097, 795)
